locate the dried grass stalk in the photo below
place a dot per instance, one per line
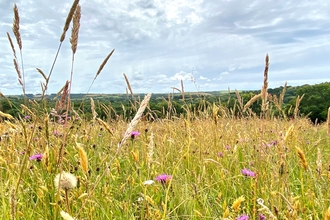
(282, 94)
(174, 88)
(29, 112)
(236, 204)
(5, 115)
(75, 29)
(251, 101)
(2, 95)
(11, 44)
(182, 90)
(16, 27)
(151, 146)
(42, 73)
(319, 162)
(19, 75)
(288, 133)
(68, 19)
(302, 158)
(94, 113)
(327, 214)
(83, 158)
(296, 109)
(239, 98)
(135, 120)
(105, 125)
(215, 113)
(13, 205)
(328, 121)
(128, 84)
(264, 89)
(65, 93)
(103, 63)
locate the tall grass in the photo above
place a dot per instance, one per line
(217, 164)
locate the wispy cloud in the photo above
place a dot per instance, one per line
(158, 43)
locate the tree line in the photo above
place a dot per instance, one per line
(314, 104)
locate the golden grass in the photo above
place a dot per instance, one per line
(69, 19)
(237, 203)
(128, 85)
(83, 158)
(296, 109)
(319, 162)
(204, 150)
(5, 115)
(75, 29)
(94, 113)
(327, 214)
(264, 93)
(105, 125)
(302, 158)
(11, 45)
(151, 147)
(103, 64)
(135, 120)
(182, 90)
(251, 101)
(16, 27)
(328, 122)
(239, 99)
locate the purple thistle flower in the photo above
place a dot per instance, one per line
(163, 178)
(247, 172)
(243, 217)
(27, 117)
(261, 217)
(134, 134)
(37, 157)
(220, 154)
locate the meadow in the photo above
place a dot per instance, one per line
(203, 164)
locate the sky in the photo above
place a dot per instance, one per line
(210, 45)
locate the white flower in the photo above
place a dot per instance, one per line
(67, 181)
(66, 216)
(148, 182)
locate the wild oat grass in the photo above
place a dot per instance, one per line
(110, 173)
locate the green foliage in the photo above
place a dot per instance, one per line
(316, 101)
(314, 105)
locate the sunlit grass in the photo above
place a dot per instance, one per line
(204, 159)
(207, 163)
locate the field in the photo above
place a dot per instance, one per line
(209, 163)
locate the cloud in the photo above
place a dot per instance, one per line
(159, 43)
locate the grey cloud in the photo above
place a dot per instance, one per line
(159, 42)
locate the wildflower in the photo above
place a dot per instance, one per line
(134, 134)
(163, 178)
(67, 181)
(27, 117)
(261, 217)
(249, 173)
(236, 204)
(243, 217)
(220, 154)
(37, 157)
(66, 216)
(148, 182)
(55, 133)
